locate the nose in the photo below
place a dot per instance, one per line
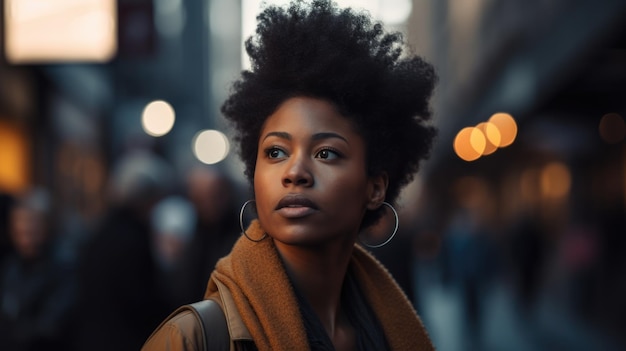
(298, 172)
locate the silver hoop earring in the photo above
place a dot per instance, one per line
(395, 229)
(243, 230)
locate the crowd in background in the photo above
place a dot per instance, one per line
(108, 287)
(156, 244)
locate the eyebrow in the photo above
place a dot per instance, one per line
(282, 135)
(316, 136)
(328, 135)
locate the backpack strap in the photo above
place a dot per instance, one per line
(213, 322)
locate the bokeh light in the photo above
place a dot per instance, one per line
(612, 128)
(469, 143)
(556, 180)
(492, 137)
(529, 185)
(210, 146)
(486, 137)
(158, 118)
(506, 126)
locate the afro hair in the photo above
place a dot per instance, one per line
(316, 49)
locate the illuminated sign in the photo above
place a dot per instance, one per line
(43, 31)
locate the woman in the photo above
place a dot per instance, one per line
(331, 124)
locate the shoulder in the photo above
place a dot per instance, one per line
(180, 331)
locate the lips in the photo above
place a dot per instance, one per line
(296, 206)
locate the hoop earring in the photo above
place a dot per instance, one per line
(395, 229)
(243, 208)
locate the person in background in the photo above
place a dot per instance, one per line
(118, 298)
(37, 290)
(173, 221)
(331, 123)
(214, 197)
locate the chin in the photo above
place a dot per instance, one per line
(298, 238)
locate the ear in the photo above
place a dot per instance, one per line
(377, 189)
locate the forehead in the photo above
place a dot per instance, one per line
(307, 114)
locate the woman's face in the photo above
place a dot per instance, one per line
(310, 179)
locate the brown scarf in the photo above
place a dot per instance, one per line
(254, 274)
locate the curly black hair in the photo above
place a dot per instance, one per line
(340, 55)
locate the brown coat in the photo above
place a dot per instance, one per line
(183, 333)
(253, 289)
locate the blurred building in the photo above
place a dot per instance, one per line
(558, 68)
(67, 116)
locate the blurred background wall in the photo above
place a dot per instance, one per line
(516, 223)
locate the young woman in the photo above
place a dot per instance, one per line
(331, 123)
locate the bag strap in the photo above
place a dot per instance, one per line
(214, 328)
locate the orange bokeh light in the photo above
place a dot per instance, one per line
(469, 143)
(506, 126)
(492, 137)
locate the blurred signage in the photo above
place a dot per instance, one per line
(44, 31)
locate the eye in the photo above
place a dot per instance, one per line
(275, 152)
(327, 154)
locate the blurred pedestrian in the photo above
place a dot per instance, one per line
(528, 253)
(173, 222)
(470, 267)
(214, 196)
(119, 301)
(37, 291)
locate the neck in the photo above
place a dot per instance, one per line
(318, 274)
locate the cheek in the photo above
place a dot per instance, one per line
(261, 191)
(349, 191)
